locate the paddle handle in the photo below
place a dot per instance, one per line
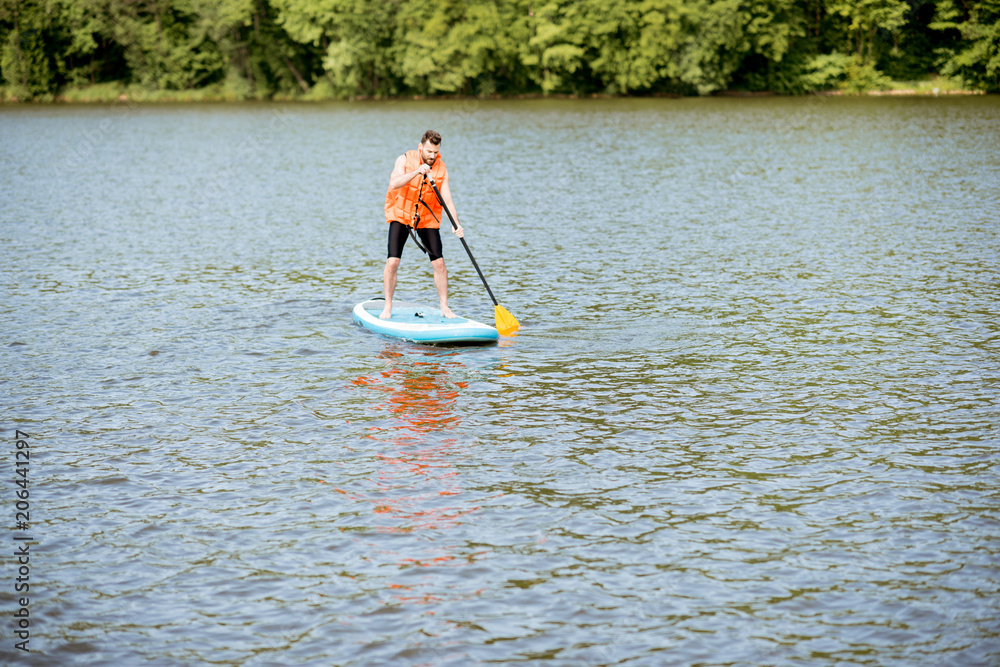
(455, 226)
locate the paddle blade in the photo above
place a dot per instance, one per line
(507, 324)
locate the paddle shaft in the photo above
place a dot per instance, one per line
(455, 225)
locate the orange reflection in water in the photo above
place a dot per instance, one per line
(416, 487)
(420, 396)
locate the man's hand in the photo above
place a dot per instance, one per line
(459, 231)
(424, 168)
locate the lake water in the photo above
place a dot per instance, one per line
(751, 416)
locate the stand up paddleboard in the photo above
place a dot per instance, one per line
(422, 324)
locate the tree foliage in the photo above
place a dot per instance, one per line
(975, 56)
(377, 48)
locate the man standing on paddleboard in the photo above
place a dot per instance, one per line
(411, 204)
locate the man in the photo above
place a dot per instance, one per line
(411, 203)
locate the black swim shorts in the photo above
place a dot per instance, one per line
(429, 238)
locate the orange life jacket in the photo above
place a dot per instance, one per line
(402, 204)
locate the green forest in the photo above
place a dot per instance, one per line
(349, 49)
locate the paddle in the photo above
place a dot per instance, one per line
(507, 324)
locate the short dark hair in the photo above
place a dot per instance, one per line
(431, 136)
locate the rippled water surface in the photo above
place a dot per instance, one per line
(751, 416)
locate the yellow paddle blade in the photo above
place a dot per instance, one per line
(507, 324)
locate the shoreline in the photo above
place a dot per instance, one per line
(201, 96)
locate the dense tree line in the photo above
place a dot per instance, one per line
(349, 48)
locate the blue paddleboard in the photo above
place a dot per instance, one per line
(422, 324)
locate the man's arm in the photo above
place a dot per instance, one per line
(446, 196)
(399, 178)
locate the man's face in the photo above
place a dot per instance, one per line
(429, 153)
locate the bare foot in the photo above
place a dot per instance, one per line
(386, 314)
(446, 311)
